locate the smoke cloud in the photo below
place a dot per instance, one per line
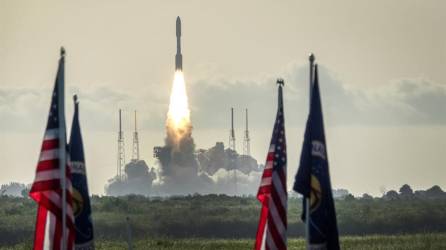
(138, 179)
(179, 172)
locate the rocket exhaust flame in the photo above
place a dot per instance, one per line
(178, 117)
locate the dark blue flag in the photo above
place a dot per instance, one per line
(313, 179)
(81, 198)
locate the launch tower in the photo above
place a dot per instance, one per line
(121, 150)
(135, 151)
(246, 139)
(232, 132)
(232, 147)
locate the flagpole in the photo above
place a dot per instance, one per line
(129, 234)
(307, 201)
(62, 146)
(311, 58)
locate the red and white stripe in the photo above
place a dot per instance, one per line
(272, 194)
(47, 192)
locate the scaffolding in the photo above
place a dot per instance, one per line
(121, 150)
(135, 151)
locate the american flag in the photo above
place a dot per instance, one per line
(272, 194)
(47, 189)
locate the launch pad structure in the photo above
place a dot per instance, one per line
(232, 146)
(135, 152)
(232, 132)
(120, 166)
(246, 139)
(121, 150)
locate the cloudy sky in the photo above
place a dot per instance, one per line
(381, 63)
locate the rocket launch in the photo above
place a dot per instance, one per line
(179, 167)
(178, 117)
(178, 56)
(180, 171)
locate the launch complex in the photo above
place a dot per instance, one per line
(180, 164)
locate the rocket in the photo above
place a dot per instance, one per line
(178, 56)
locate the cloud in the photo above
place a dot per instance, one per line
(400, 102)
(418, 101)
(19, 108)
(246, 183)
(24, 109)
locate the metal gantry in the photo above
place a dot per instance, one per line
(233, 148)
(135, 151)
(246, 139)
(121, 149)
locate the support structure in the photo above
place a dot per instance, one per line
(135, 151)
(121, 150)
(311, 59)
(232, 132)
(232, 147)
(307, 201)
(246, 139)
(129, 234)
(62, 143)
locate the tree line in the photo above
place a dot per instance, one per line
(222, 216)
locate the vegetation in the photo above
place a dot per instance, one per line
(223, 217)
(400, 242)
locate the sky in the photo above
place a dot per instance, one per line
(382, 80)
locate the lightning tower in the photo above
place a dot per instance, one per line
(246, 139)
(232, 147)
(135, 152)
(121, 150)
(232, 132)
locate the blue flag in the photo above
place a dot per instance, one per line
(81, 198)
(313, 179)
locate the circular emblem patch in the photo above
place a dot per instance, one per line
(78, 202)
(316, 193)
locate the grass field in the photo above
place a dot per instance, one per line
(406, 242)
